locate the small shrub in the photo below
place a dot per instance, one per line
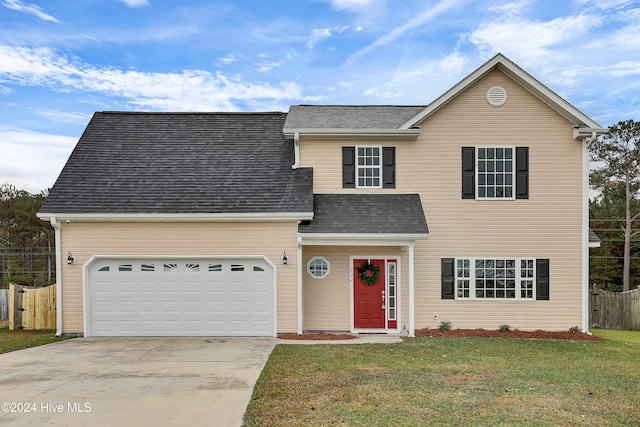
(445, 325)
(504, 328)
(575, 329)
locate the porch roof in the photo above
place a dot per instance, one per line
(397, 216)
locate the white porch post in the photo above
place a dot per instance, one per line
(411, 291)
(299, 280)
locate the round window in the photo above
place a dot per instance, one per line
(318, 267)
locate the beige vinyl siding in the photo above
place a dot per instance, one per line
(547, 225)
(87, 239)
(326, 301)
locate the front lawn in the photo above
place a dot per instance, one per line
(452, 381)
(19, 339)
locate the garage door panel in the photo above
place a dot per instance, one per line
(231, 297)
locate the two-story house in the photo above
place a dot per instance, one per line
(471, 209)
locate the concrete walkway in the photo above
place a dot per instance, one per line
(132, 381)
(361, 339)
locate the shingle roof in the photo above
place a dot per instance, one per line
(593, 237)
(349, 116)
(182, 163)
(392, 214)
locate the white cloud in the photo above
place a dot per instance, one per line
(405, 84)
(355, 5)
(514, 7)
(62, 116)
(317, 35)
(31, 9)
(32, 160)
(530, 41)
(422, 18)
(135, 3)
(266, 66)
(228, 59)
(189, 90)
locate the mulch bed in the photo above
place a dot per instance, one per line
(481, 333)
(487, 333)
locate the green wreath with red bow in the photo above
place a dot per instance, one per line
(369, 273)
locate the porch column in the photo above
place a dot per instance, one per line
(411, 291)
(299, 280)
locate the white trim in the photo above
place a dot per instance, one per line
(178, 217)
(518, 279)
(359, 167)
(353, 239)
(299, 282)
(386, 258)
(521, 77)
(354, 133)
(585, 236)
(95, 258)
(58, 248)
(412, 310)
(309, 267)
(513, 173)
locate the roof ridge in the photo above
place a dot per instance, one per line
(194, 112)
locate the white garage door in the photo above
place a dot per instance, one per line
(172, 297)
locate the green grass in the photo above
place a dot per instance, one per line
(453, 381)
(19, 339)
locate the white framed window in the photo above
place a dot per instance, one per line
(392, 290)
(495, 278)
(368, 166)
(495, 173)
(318, 267)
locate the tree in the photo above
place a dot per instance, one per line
(25, 241)
(618, 153)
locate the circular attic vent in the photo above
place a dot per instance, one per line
(497, 96)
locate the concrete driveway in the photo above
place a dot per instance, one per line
(132, 381)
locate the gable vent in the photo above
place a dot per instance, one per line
(497, 96)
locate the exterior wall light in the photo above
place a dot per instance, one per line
(285, 259)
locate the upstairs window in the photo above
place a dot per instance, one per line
(495, 173)
(368, 166)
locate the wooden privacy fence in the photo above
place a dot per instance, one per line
(4, 304)
(32, 308)
(614, 310)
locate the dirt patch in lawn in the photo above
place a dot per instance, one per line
(317, 336)
(487, 333)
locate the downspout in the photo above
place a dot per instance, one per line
(56, 227)
(585, 231)
(296, 150)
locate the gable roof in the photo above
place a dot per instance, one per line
(509, 68)
(384, 215)
(168, 164)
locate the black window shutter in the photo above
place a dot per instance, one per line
(448, 278)
(348, 167)
(388, 167)
(468, 172)
(542, 279)
(522, 172)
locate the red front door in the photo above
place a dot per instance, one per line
(369, 304)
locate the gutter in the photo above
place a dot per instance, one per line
(179, 217)
(411, 133)
(296, 150)
(56, 227)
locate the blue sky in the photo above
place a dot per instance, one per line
(61, 60)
